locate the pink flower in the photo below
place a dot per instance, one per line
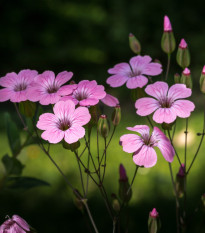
(133, 74)
(143, 145)
(16, 224)
(183, 44)
(203, 71)
(186, 71)
(110, 100)
(66, 122)
(167, 24)
(166, 104)
(123, 175)
(16, 86)
(87, 93)
(154, 213)
(47, 88)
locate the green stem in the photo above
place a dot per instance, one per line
(168, 65)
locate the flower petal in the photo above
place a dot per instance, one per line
(64, 109)
(131, 142)
(47, 121)
(5, 94)
(67, 89)
(47, 99)
(146, 157)
(166, 115)
(18, 96)
(146, 106)
(81, 116)
(121, 68)
(138, 81)
(54, 135)
(142, 129)
(74, 133)
(45, 79)
(9, 80)
(88, 102)
(138, 63)
(178, 91)
(183, 108)
(63, 77)
(157, 90)
(152, 69)
(164, 144)
(117, 80)
(21, 222)
(110, 100)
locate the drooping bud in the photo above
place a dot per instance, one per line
(116, 115)
(186, 78)
(177, 78)
(27, 108)
(103, 126)
(125, 192)
(154, 223)
(134, 44)
(180, 181)
(183, 55)
(95, 113)
(168, 43)
(137, 93)
(202, 81)
(73, 146)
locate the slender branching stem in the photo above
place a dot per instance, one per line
(168, 65)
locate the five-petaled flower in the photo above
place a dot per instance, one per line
(66, 123)
(16, 224)
(47, 89)
(17, 86)
(167, 105)
(133, 74)
(142, 146)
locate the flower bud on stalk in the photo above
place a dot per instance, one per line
(27, 108)
(124, 185)
(115, 202)
(180, 181)
(134, 44)
(103, 126)
(154, 223)
(116, 115)
(168, 43)
(183, 55)
(202, 81)
(177, 78)
(186, 78)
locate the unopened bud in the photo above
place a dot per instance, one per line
(125, 192)
(154, 223)
(134, 44)
(103, 126)
(116, 115)
(73, 146)
(186, 78)
(202, 81)
(168, 43)
(183, 55)
(116, 205)
(27, 108)
(177, 78)
(180, 177)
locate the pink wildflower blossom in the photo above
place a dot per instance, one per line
(154, 213)
(183, 44)
(133, 74)
(66, 122)
(87, 93)
(142, 146)
(186, 71)
(47, 89)
(167, 24)
(16, 86)
(110, 100)
(166, 104)
(16, 224)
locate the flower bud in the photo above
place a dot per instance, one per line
(27, 108)
(134, 44)
(168, 43)
(116, 115)
(180, 181)
(186, 78)
(103, 126)
(203, 202)
(95, 113)
(177, 78)
(154, 223)
(73, 146)
(202, 81)
(116, 205)
(125, 193)
(183, 55)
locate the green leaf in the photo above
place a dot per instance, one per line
(13, 135)
(23, 182)
(12, 165)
